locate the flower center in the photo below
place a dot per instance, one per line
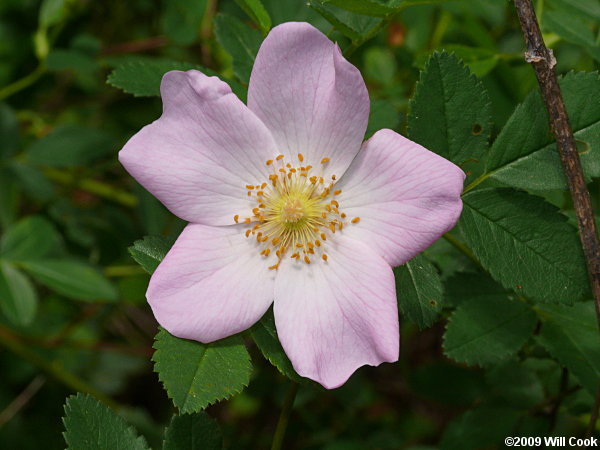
(296, 212)
(292, 210)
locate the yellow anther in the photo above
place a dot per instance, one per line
(324, 256)
(355, 220)
(318, 243)
(335, 203)
(236, 218)
(264, 185)
(308, 168)
(247, 220)
(306, 259)
(249, 194)
(279, 158)
(343, 215)
(324, 160)
(269, 162)
(295, 255)
(259, 193)
(274, 267)
(333, 177)
(338, 192)
(248, 232)
(293, 170)
(321, 180)
(276, 241)
(332, 227)
(299, 245)
(323, 236)
(300, 157)
(282, 170)
(310, 245)
(313, 179)
(249, 187)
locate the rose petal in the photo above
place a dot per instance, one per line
(336, 316)
(405, 196)
(312, 99)
(199, 156)
(213, 283)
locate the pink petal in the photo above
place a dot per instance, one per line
(336, 316)
(405, 195)
(312, 99)
(213, 283)
(202, 152)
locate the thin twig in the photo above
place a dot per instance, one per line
(52, 368)
(284, 417)
(543, 63)
(22, 399)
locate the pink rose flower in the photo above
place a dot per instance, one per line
(287, 206)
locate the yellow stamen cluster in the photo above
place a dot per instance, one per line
(294, 212)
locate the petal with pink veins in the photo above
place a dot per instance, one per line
(213, 283)
(314, 101)
(199, 156)
(405, 196)
(336, 316)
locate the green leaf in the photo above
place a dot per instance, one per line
(354, 26)
(474, 287)
(70, 145)
(196, 375)
(257, 12)
(380, 65)
(33, 181)
(9, 197)
(142, 77)
(363, 7)
(264, 334)
(90, 425)
(72, 278)
(150, 251)
(586, 7)
(240, 41)
(419, 291)
(481, 427)
(18, 299)
(516, 384)
(570, 334)
(450, 112)
(9, 131)
(485, 333)
(31, 238)
(181, 20)
(53, 12)
(525, 244)
(524, 155)
(383, 115)
(480, 61)
(196, 431)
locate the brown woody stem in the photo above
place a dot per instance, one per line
(543, 63)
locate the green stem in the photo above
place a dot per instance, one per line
(461, 248)
(92, 186)
(123, 271)
(284, 417)
(52, 368)
(477, 182)
(22, 83)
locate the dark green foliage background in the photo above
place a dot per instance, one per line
(499, 335)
